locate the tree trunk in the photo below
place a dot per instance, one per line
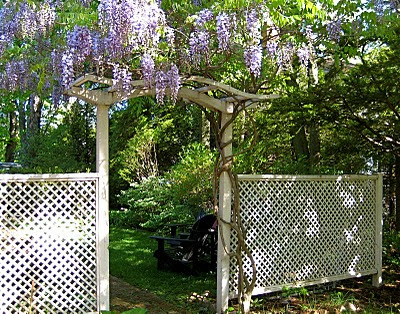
(315, 145)
(397, 192)
(35, 108)
(300, 144)
(391, 191)
(243, 126)
(13, 136)
(29, 126)
(21, 122)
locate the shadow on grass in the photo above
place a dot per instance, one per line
(131, 259)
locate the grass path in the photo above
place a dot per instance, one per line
(125, 297)
(131, 260)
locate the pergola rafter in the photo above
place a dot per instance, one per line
(111, 94)
(106, 93)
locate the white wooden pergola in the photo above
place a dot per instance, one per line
(103, 97)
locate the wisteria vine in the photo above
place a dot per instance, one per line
(129, 30)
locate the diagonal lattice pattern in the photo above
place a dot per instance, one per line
(48, 245)
(306, 230)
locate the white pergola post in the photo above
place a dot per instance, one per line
(225, 201)
(102, 168)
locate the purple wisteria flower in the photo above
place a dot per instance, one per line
(198, 43)
(86, 3)
(56, 96)
(98, 45)
(253, 25)
(304, 55)
(27, 21)
(80, 43)
(253, 59)
(285, 56)
(309, 32)
(15, 75)
(148, 69)
(161, 85)
(204, 16)
(9, 24)
(334, 29)
(379, 8)
(3, 44)
(356, 26)
(184, 57)
(46, 17)
(224, 28)
(394, 4)
(67, 69)
(272, 48)
(56, 64)
(170, 36)
(174, 82)
(122, 78)
(129, 25)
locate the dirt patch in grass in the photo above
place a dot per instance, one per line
(125, 297)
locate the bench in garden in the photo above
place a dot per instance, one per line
(191, 252)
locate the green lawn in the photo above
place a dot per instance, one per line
(131, 259)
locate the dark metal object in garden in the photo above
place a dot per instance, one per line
(190, 252)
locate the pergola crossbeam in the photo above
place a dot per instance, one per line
(94, 97)
(113, 94)
(230, 90)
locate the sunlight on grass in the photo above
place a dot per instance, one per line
(131, 259)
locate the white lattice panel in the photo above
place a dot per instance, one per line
(307, 230)
(48, 244)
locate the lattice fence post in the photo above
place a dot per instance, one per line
(102, 166)
(377, 278)
(225, 200)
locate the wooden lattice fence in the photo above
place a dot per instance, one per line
(305, 230)
(49, 243)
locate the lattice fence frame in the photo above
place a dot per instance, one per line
(37, 237)
(361, 196)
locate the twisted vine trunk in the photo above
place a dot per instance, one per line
(223, 165)
(11, 145)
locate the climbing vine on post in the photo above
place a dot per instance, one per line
(224, 164)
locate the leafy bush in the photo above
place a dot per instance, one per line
(147, 205)
(178, 196)
(191, 179)
(391, 248)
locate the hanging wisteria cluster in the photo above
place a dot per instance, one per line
(253, 53)
(22, 21)
(334, 29)
(199, 40)
(225, 29)
(15, 75)
(133, 34)
(25, 21)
